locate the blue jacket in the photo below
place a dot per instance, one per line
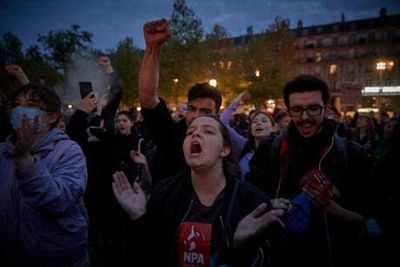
(42, 214)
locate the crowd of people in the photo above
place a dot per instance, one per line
(200, 187)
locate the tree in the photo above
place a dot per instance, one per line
(126, 60)
(186, 27)
(63, 43)
(35, 65)
(183, 56)
(32, 62)
(272, 54)
(11, 49)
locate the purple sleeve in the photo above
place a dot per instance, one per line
(56, 188)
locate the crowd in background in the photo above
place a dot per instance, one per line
(102, 186)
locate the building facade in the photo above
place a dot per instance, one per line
(358, 59)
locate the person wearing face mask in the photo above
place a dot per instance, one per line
(42, 182)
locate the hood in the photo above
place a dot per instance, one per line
(46, 143)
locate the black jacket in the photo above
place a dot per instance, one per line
(168, 136)
(156, 232)
(349, 169)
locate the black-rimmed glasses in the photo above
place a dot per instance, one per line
(312, 110)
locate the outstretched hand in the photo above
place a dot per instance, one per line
(14, 70)
(156, 33)
(26, 136)
(105, 62)
(138, 157)
(88, 103)
(254, 224)
(242, 97)
(131, 198)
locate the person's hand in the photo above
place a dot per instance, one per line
(138, 157)
(88, 103)
(131, 199)
(15, 70)
(319, 197)
(156, 33)
(317, 187)
(18, 73)
(254, 224)
(105, 62)
(281, 203)
(242, 97)
(26, 136)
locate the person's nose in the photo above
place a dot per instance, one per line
(196, 114)
(304, 115)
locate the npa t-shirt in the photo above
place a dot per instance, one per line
(195, 233)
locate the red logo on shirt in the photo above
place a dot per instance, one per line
(194, 244)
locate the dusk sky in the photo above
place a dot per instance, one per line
(111, 21)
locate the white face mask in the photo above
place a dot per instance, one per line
(30, 113)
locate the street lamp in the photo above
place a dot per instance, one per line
(175, 80)
(382, 66)
(213, 82)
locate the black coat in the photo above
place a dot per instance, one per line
(156, 231)
(349, 170)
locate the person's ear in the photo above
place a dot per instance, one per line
(225, 152)
(52, 117)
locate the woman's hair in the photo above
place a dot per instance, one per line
(128, 114)
(250, 144)
(230, 164)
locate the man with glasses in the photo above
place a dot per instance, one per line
(168, 135)
(325, 178)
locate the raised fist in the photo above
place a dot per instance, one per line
(156, 33)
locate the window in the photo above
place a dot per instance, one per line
(352, 52)
(391, 35)
(318, 57)
(332, 69)
(371, 36)
(335, 41)
(352, 38)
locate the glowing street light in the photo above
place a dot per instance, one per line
(382, 66)
(257, 73)
(213, 82)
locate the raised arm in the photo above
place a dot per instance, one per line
(155, 34)
(18, 73)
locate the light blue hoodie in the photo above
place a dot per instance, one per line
(43, 218)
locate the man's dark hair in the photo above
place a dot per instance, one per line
(46, 99)
(306, 83)
(204, 90)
